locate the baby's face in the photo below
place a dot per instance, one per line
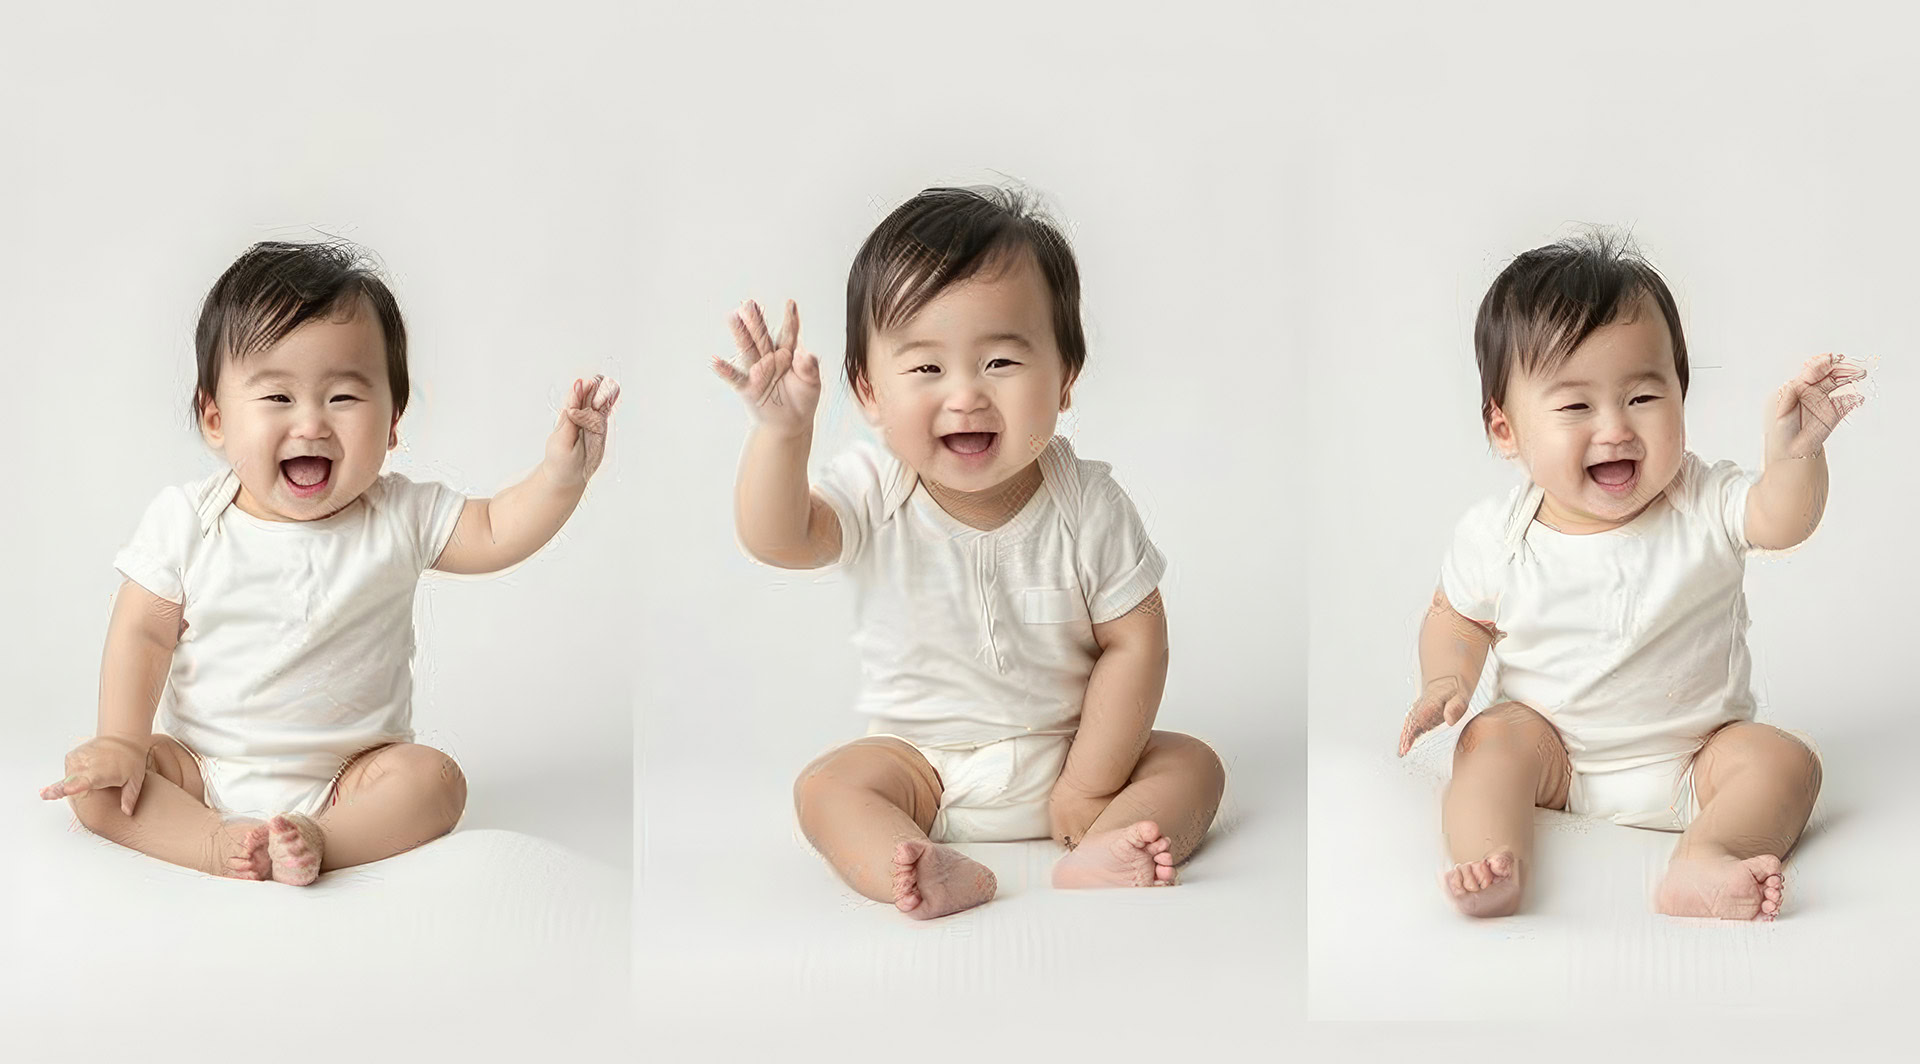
(968, 392)
(308, 422)
(1604, 433)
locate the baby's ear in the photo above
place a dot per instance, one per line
(1066, 392)
(869, 403)
(1500, 431)
(210, 421)
(393, 433)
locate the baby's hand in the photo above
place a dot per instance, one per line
(780, 380)
(1804, 412)
(1443, 700)
(100, 762)
(579, 440)
(1071, 813)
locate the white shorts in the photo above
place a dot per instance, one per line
(993, 791)
(1659, 796)
(257, 787)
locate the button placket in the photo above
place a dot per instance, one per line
(986, 565)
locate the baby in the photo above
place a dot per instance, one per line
(1609, 589)
(267, 610)
(1009, 624)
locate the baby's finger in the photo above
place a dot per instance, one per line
(130, 794)
(605, 391)
(726, 372)
(1456, 708)
(743, 337)
(67, 788)
(589, 420)
(1416, 725)
(789, 327)
(1813, 369)
(757, 328)
(806, 365)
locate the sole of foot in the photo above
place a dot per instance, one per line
(931, 881)
(1485, 888)
(1134, 856)
(1726, 888)
(294, 844)
(252, 861)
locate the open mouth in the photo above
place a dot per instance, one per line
(975, 445)
(306, 476)
(1615, 478)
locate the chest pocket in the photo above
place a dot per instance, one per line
(1052, 605)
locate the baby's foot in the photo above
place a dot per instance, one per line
(1724, 887)
(1134, 856)
(294, 843)
(931, 881)
(1487, 887)
(247, 856)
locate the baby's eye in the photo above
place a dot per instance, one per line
(1641, 398)
(1575, 407)
(276, 398)
(927, 368)
(348, 398)
(1001, 362)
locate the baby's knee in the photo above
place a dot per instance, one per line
(1506, 728)
(1773, 751)
(431, 773)
(1199, 760)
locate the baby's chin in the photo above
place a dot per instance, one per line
(1581, 495)
(282, 501)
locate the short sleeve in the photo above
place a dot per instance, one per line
(424, 514)
(1720, 496)
(1119, 565)
(156, 557)
(853, 486)
(1469, 574)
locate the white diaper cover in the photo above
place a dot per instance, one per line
(1658, 796)
(994, 791)
(258, 786)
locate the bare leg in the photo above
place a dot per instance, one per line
(387, 802)
(1756, 787)
(1508, 761)
(172, 821)
(1156, 820)
(867, 807)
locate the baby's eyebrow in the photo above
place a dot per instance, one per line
(914, 345)
(278, 376)
(1638, 378)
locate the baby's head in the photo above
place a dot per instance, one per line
(302, 376)
(1583, 376)
(963, 334)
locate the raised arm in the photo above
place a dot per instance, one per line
(1453, 651)
(780, 521)
(141, 635)
(501, 532)
(1786, 505)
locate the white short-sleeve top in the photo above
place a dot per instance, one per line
(1631, 641)
(973, 636)
(299, 634)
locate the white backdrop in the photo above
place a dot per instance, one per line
(145, 151)
(1172, 209)
(1765, 166)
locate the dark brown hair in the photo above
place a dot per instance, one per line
(273, 289)
(944, 236)
(1549, 300)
